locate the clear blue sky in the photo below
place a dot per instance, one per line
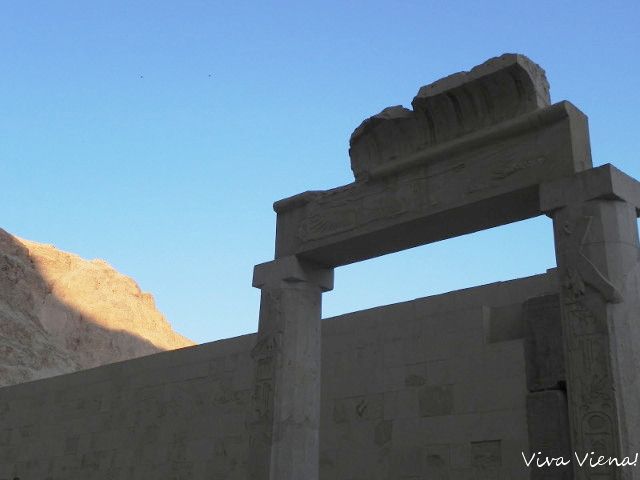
(171, 177)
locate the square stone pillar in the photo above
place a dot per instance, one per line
(284, 427)
(596, 240)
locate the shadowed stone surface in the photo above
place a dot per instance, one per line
(543, 343)
(498, 90)
(186, 414)
(548, 422)
(597, 250)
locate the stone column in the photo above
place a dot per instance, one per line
(284, 428)
(596, 239)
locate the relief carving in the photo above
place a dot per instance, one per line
(264, 368)
(267, 346)
(335, 216)
(265, 354)
(591, 394)
(504, 170)
(331, 221)
(263, 399)
(361, 408)
(509, 168)
(347, 211)
(582, 321)
(598, 431)
(579, 269)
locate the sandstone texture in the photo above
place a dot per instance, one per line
(60, 313)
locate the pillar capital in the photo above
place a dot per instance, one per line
(291, 269)
(602, 183)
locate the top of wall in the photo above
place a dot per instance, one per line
(175, 364)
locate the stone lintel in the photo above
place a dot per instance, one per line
(605, 183)
(454, 222)
(291, 269)
(487, 179)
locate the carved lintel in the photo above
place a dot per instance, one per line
(438, 192)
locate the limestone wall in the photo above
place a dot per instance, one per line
(429, 389)
(432, 388)
(173, 415)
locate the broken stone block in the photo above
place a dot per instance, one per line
(493, 92)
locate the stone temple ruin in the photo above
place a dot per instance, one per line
(465, 385)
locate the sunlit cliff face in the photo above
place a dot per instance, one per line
(60, 313)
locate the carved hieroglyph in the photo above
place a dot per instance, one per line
(594, 261)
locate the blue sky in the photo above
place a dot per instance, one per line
(156, 135)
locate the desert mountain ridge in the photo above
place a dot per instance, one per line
(60, 313)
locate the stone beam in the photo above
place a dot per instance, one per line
(480, 180)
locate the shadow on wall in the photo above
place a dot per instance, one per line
(60, 313)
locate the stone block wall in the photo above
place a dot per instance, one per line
(429, 389)
(434, 388)
(174, 415)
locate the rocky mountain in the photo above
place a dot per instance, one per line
(60, 313)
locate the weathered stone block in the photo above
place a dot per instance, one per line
(603, 182)
(383, 432)
(486, 459)
(407, 462)
(436, 400)
(500, 89)
(503, 323)
(543, 343)
(292, 270)
(437, 456)
(548, 423)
